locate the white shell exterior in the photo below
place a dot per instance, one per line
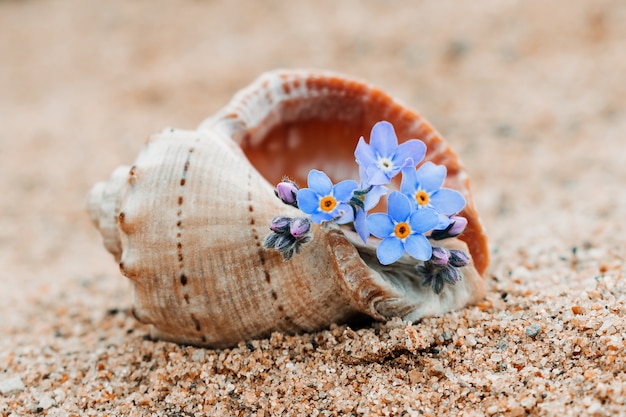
(187, 220)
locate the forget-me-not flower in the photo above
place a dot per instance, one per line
(423, 187)
(383, 159)
(402, 229)
(325, 202)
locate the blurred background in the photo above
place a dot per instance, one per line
(530, 94)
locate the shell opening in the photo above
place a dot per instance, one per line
(319, 128)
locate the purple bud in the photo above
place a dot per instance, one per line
(457, 225)
(280, 224)
(284, 243)
(286, 191)
(450, 275)
(440, 256)
(300, 227)
(459, 258)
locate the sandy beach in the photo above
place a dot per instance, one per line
(530, 94)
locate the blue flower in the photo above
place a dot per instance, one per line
(402, 229)
(325, 202)
(383, 159)
(368, 197)
(423, 188)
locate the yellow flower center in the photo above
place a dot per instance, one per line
(422, 198)
(402, 230)
(328, 203)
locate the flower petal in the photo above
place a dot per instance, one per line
(444, 221)
(408, 185)
(373, 196)
(398, 206)
(343, 191)
(380, 225)
(319, 182)
(447, 201)
(389, 250)
(430, 176)
(363, 184)
(413, 149)
(345, 212)
(424, 220)
(308, 200)
(383, 139)
(321, 216)
(360, 225)
(418, 246)
(364, 154)
(375, 176)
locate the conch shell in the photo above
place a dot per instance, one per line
(186, 222)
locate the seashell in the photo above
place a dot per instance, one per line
(186, 221)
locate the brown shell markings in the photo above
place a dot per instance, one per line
(186, 222)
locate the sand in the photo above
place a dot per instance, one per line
(530, 94)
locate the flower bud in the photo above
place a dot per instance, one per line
(286, 190)
(288, 235)
(300, 226)
(280, 224)
(450, 275)
(458, 258)
(455, 228)
(440, 256)
(284, 243)
(457, 225)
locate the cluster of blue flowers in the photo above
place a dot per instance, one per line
(420, 210)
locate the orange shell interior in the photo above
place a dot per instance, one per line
(322, 132)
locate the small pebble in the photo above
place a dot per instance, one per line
(198, 355)
(11, 384)
(533, 330)
(45, 402)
